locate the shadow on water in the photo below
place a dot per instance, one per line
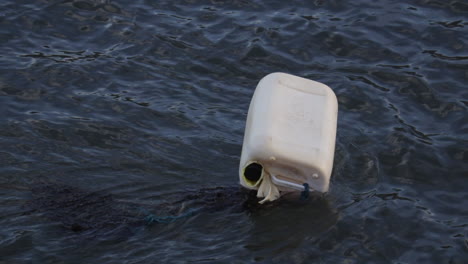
(282, 228)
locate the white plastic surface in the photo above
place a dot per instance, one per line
(291, 131)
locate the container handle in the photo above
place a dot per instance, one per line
(295, 186)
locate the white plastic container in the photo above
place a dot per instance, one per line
(290, 134)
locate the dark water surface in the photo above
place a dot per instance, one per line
(137, 101)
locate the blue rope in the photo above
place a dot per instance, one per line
(305, 193)
(151, 218)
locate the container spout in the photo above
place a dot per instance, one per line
(255, 176)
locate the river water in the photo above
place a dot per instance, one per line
(145, 100)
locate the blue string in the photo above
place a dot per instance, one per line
(305, 193)
(151, 218)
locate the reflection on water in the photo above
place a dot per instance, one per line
(139, 103)
(281, 229)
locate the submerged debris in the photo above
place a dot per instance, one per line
(79, 210)
(97, 212)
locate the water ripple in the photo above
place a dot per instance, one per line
(145, 100)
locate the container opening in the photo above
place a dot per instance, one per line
(253, 173)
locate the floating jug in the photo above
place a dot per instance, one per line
(289, 140)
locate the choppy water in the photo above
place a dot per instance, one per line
(144, 99)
